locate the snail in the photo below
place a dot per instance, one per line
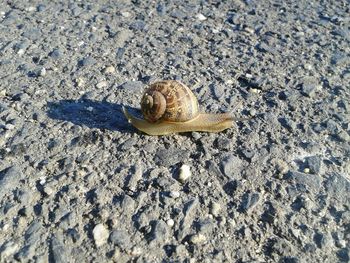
(169, 106)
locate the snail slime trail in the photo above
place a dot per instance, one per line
(169, 106)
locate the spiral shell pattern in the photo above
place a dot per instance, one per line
(169, 100)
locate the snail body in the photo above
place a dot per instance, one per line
(170, 107)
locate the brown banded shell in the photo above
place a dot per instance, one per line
(169, 100)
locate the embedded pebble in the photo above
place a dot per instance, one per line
(185, 173)
(9, 179)
(198, 238)
(215, 208)
(100, 233)
(160, 232)
(201, 17)
(134, 177)
(42, 72)
(281, 166)
(174, 194)
(132, 86)
(8, 249)
(249, 201)
(87, 61)
(170, 222)
(109, 70)
(101, 84)
(60, 253)
(230, 164)
(2, 92)
(125, 14)
(313, 182)
(120, 238)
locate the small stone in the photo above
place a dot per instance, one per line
(8, 249)
(55, 54)
(343, 255)
(263, 47)
(332, 126)
(109, 70)
(120, 238)
(31, 9)
(215, 209)
(80, 82)
(159, 232)
(201, 17)
(230, 165)
(9, 179)
(338, 187)
(309, 180)
(132, 86)
(100, 234)
(254, 90)
(249, 30)
(102, 84)
(161, 9)
(174, 194)
(223, 221)
(252, 112)
(185, 173)
(323, 240)
(32, 33)
(136, 251)
(180, 250)
(314, 164)
(122, 37)
(232, 222)
(288, 124)
(339, 58)
(170, 222)
(249, 154)
(125, 14)
(73, 234)
(249, 201)
(308, 66)
(42, 72)
(138, 25)
(207, 226)
(88, 61)
(198, 238)
(223, 143)
(20, 51)
(60, 253)
(5, 227)
(9, 126)
(127, 204)
(307, 170)
(281, 166)
(190, 210)
(26, 252)
(310, 87)
(343, 136)
(170, 156)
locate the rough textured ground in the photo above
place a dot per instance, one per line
(80, 184)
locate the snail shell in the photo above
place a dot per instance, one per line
(169, 107)
(169, 101)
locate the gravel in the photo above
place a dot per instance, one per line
(79, 183)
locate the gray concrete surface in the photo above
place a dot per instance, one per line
(80, 184)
